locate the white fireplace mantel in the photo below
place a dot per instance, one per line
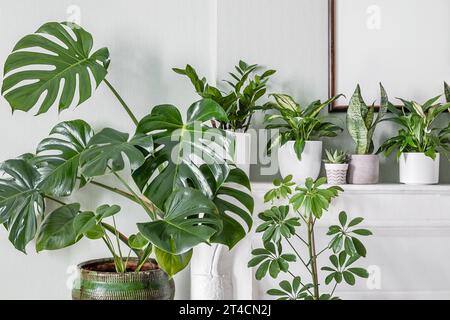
(407, 255)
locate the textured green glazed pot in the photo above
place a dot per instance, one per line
(103, 285)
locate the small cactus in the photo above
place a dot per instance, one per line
(360, 120)
(336, 157)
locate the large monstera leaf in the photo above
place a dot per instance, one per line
(189, 219)
(20, 201)
(59, 156)
(181, 148)
(68, 58)
(106, 149)
(233, 203)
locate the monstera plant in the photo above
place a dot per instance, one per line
(177, 171)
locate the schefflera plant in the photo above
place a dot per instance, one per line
(289, 237)
(187, 201)
(361, 120)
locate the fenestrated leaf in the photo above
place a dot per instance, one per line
(172, 264)
(57, 230)
(107, 148)
(68, 61)
(176, 144)
(232, 202)
(59, 156)
(189, 219)
(20, 201)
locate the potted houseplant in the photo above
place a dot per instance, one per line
(419, 141)
(364, 166)
(179, 196)
(247, 87)
(281, 231)
(300, 150)
(336, 166)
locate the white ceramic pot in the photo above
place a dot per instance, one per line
(243, 151)
(308, 167)
(336, 173)
(364, 169)
(417, 168)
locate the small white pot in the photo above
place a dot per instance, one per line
(364, 169)
(308, 167)
(243, 151)
(417, 168)
(336, 173)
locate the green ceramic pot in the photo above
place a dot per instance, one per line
(98, 281)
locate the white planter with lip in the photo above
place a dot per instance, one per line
(308, 167)
(418, 169)
(215, 270)
(364, 169)
(336, 173)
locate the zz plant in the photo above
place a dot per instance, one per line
(187, 201)
(289, 237)
(247, 86)
(361, 121)
(297, 123)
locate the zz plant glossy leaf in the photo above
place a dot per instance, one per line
(68, 58)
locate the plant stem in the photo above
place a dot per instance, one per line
(313, 257)
(55, 200)
(122, 102)
(334, 289)
(298, 255)
(302, 240)
(115, 190)
(150, 211)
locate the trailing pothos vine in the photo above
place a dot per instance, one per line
(288, 235)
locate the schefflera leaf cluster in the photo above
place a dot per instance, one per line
(188, 200)
(289, 237)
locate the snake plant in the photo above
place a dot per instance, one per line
(361, 121)
(186, 202)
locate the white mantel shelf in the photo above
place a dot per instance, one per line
(392, 189)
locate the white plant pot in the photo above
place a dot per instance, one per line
(243, 151)
(308, 167)
(336, 173)
(364, 169)
(417, 168)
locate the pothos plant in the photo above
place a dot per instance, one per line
(297, 123)
(187, 200)
(247, 87)
(289, 237)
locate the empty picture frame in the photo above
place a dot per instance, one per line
(405, 44)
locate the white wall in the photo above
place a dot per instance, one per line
(146, 39)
